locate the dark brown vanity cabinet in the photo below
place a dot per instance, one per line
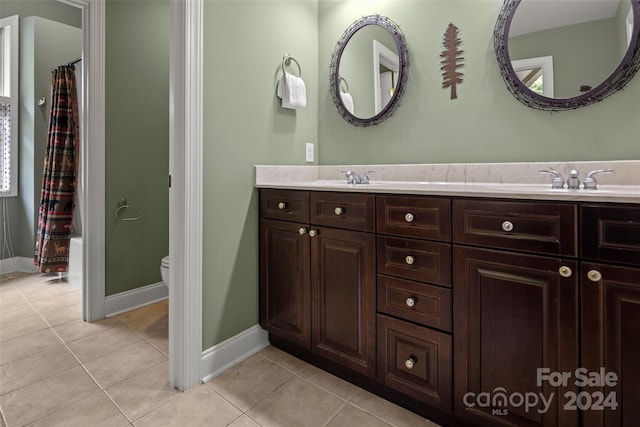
(514, 312)
(317, 273)
(414, 297)
(610, 279)
(467, 309)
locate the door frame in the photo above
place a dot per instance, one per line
(185, 194)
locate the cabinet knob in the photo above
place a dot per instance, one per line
(410, 362)
(313, 233)
(302, 231)
(282, 205)
(408, 217)
(565, 271)
(594, 275)
(410, 302)
(409, 259)
(338, 210)
(507, 226)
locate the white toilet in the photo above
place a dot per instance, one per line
(164, 270)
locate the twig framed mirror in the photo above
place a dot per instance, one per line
(563, 55)
(369, 71)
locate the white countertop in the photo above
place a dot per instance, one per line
(502, 180)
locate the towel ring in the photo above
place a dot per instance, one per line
(286, 60)
(343, 80)
(122, 205)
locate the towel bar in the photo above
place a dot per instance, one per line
(122, 205)
(286, 60)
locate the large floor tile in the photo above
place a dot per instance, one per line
(57, 302)
(329, 382)
(63, 315)
(161, 342)
(79, 328)
(10, 329)
(28, 370)
(198, 407)
(37, 400)
(283, 359)
(143, 393)
(124, 363)
(96, 410)
(249, 382)
(148, 321)
(11, 297)
(27, 345)
(14, 313)
(296, 403)
(103, 343)
(244, 421)
(389, 412)
(350, 416)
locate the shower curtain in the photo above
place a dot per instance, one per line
(59, 175)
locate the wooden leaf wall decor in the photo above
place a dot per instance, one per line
(452, 60)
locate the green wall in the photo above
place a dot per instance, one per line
(49, 36)
(48, 9)
(244, 125)
(137, 141)
(486, 123)
(582, 53)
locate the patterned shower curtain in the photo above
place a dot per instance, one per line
(59, 175)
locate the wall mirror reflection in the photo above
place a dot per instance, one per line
(563, 54)
(369, 71)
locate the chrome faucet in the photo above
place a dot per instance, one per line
(354, 178)
(573, 182)
(590, 182)
(557, 181)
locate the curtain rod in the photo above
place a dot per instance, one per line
(75, 61)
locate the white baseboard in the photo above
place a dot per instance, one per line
(220, 357)
(135, 298)
(17, 264)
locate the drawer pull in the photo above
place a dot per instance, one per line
(410, 362)
(313, 233)
(594, 275)
(507, 226)
(410, 302)
(409, 260)
(282, 205)
(338, 210)
(565, 271)
(408, 217)
(302, 231)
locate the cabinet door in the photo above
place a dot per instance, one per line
(285, 281)
(610, 325)
(344, 297)
(513, 314)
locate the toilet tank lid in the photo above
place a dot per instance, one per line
(165, 261)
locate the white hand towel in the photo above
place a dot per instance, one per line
(347, 101)
(292, 91)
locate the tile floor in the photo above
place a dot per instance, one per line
(56, 370)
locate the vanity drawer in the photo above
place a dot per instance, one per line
(412, 259)
(418, 302)
(343, 210)
(415, 361)
(549, 228)
(611, 233)
(285, 205)
(422, 217)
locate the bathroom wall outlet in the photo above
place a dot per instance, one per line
(309, 152)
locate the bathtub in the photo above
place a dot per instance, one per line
(74, 276)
